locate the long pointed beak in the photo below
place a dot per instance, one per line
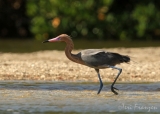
(45, 41)
(52, 40)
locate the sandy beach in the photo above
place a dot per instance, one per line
(54, 66)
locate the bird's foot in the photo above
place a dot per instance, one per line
(100, 88)
(113, 90)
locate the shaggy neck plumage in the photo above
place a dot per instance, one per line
(69, 47)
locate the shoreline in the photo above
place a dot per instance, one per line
(54, 66)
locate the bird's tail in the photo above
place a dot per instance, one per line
(126, 58)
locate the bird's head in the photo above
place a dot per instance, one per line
(62, 37)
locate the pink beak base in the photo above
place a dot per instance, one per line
(52, 40)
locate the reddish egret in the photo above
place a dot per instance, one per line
(94, 58)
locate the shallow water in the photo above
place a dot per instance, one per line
(24, 97)
(33, 45)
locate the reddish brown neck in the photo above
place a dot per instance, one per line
(70, 56)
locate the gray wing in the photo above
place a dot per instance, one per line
(98, 58)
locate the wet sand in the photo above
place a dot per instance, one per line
(40, 97)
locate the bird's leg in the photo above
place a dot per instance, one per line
(101, 83)
(112, 88)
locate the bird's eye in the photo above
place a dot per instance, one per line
(58, 38)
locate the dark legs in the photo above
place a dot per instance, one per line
(101, 83)
(112, 86)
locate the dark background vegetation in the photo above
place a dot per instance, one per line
(124, 20)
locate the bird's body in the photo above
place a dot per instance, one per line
(94, 58)
(97, 58)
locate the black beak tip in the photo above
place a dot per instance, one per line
(45, 41)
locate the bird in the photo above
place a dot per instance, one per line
(93, 58)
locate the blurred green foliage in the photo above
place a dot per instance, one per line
(95, 19)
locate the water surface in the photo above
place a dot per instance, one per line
(33, 45)
(25, 97)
